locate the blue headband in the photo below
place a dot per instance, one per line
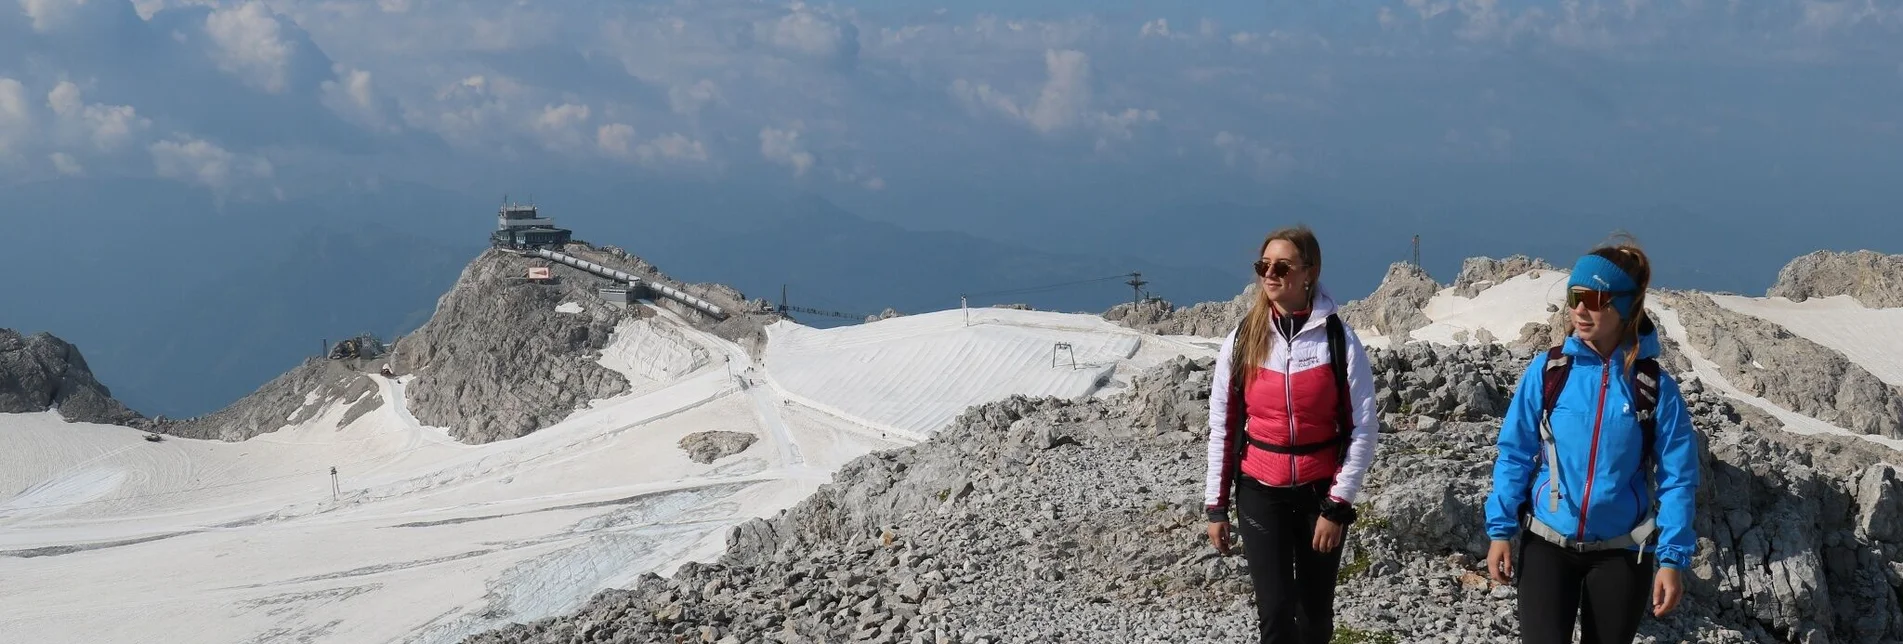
(1600, 274)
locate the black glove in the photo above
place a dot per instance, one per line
(1339, 512)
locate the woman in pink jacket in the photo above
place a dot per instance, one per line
(1292, 430)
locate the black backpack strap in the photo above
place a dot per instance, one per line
(1344, 398)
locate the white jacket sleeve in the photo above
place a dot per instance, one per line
(1367, 416)
(1216, 484)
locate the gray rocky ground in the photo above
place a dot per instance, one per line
(1055, 520)
(1873, 278)
(41, 372)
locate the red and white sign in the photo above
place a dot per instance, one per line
(538, 273)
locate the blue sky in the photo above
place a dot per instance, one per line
(1019, 121)
(889, 153)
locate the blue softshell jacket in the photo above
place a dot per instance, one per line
(1597, 436)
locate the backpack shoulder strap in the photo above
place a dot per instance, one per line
(1552, 382)
(1553, 379)
(1645, 374)
(1338, 363)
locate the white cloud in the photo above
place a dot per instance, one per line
(198, 161)
(1242, 153)
(66, 164)
(615, 139)
(353, 96)
(108, 127)
(1063, 102)
(874, 184)
(809, 34)
(16, 116)
(561, 126)
(1158, 28)
(689, 99)
(49, 15)
(250, 45)
(783, 147)
(679, 148)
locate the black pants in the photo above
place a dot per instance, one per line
(1294, 584)
(1605, 592)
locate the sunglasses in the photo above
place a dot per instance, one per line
(1594, 300)
(1277, 269)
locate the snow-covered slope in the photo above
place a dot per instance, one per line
(912, 375)
(1872, 338)
(1502, 310)
(105, 537)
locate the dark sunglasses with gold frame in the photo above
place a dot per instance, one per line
(1277, 269)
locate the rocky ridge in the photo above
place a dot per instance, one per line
(1872, 278)
(1394, 308)
(1205, 319)
(290, 399)
(1766, 360)
(41, 372)
(498, 361)
(1046, 519)
(1478, 273)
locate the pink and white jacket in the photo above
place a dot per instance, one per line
(1292, 402)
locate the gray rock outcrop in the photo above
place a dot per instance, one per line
(1205, 319)
(1046, 519)
(497, 361)
(707, 447)
(1478, 273)
(290, 399)
(1765, 360)
(41, 372)
(1394, 308)
(1873, 278)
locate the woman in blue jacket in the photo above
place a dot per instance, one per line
(1603, 509)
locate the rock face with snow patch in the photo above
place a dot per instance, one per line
(1478, 273)
(289, 399)
(1765, 360)
(1872, 278)
(42, 372)
(1394, 309)
(497, 361)
(1046, 519)
(707, 447)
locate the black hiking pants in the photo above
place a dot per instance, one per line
(1605, 593)
(1294, 584)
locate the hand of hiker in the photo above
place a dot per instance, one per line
(1219, 537)
(1666, 591)
(1500, 561)
(1327, 535)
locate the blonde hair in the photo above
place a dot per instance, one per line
(1255, 338)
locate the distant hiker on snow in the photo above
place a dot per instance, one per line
(1292, 430)
(1595, 435)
